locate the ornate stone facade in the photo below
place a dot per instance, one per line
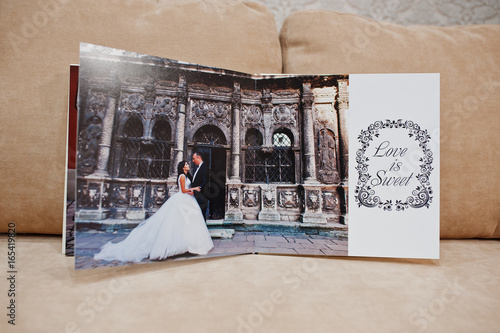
(277, 147)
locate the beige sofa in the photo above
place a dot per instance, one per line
(253, 293)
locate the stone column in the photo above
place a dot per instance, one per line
(343, 103)
(267, 117)
(180, 126)
(234, 176)
(106, 136)
(308, 125)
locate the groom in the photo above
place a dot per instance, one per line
(200, 179)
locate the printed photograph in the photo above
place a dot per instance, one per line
(180, 161)
(72, 137)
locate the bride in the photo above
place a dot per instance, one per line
(177, 227)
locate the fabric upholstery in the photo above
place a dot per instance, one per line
(40, 39)
(468, 59)
(259, 293)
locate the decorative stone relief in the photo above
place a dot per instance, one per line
(234, 197)
(204, 89)
(343, 94)
(268, 198)
(285, 114)
(325, 115)
(136, 196)
(289, 93)
(250, 198)
(251, 115)
(268, 210)
(106, 196)
(97, 104)
(159, 195)
(233, 214)
(211, 111)
(132, 102)
(288, 199)
(88, 145)
(89, 195)
(328, 172)
(313, 200)
(199, 88)
(164, 105)
(331, 202)
(251, 94)
(120, 196)
(325, 93)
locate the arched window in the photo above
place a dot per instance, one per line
(160, 165)
(276, 166)
(209, 135)
(281, 166)
(132, 152)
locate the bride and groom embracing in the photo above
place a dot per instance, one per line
(177, 227)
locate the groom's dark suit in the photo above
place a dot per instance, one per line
(201, 179)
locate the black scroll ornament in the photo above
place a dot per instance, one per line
(421, 195)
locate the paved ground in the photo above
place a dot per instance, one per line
(89, 243)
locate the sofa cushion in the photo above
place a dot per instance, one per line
(468, 58)
(40, 39)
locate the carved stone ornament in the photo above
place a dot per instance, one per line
(268, 199)
(132, 102)
(164, 105)
(325, 92)
(285, 114)
(159, 195)
(211, 111)
(288, 199)
(331, 201)
(325, 115)
(88, 145)
(251, 198)
(120, 195)
(343, 94)
(251, 115)
(136, 196)
(328, 172)
(97, 104)
(313, 200)
(88, 195)
(199, 88)
(289, 93)
(251, 94)
(106, 195)
(234, 197)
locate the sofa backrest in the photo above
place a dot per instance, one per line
(468, 59)
(40, 39)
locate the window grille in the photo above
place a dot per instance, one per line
(150, 160)
(274, 167)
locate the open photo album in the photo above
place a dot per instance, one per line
(175, 161)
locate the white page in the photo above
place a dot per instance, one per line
(374, 231)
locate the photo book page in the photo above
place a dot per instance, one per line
(178, 161)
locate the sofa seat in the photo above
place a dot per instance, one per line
(259, 293)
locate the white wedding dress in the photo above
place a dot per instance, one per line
(177, 227)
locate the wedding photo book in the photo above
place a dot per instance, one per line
(169, 160)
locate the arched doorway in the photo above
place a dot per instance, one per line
(211, 143)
